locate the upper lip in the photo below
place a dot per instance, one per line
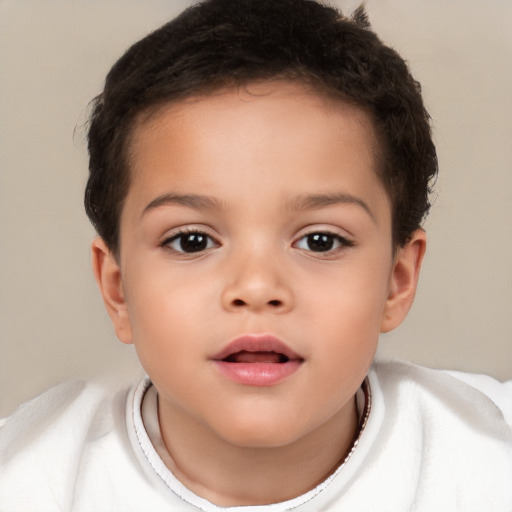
(256, 343)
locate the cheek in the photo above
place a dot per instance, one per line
(157, 292)
(155, 314)
(350, 307)
(169, 312)
(351, 294)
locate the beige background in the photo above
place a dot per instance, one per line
(53, 57)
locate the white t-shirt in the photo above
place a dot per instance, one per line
(434, 441)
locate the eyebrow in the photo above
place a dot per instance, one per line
(196, 201)
(317, 201)
(300, 203)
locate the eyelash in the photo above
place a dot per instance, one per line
(332, 239)
(181, 236)
(322, 237)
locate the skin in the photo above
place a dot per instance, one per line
(277, 163)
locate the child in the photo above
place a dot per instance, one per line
(259, 172)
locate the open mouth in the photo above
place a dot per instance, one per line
(257, 360)
(244, 356)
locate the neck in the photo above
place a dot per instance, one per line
(228, 474)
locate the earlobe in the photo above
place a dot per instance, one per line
(404, 280)
(108, 277)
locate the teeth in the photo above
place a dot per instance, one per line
(256, 357)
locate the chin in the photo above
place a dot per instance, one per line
(259, 440)
(260, 432)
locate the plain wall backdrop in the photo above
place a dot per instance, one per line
(54, 55)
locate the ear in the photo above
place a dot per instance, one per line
(108, 277)
(404, 280)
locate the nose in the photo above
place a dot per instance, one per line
(257, 285)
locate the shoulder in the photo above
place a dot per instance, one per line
(499, 392)
(464, 415)
(456, 390)
(477, 389)
(72, 402)
(45, 441)
(441, 431)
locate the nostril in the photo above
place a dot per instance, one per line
(241, 303)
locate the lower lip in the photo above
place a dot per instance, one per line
(257, 374)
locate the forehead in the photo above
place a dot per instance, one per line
(292, 101)
(275, 135)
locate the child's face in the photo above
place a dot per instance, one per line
(256, 217)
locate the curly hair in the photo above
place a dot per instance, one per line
(222, 43)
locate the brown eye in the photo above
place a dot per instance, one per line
(190, 242)
(322, 242)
